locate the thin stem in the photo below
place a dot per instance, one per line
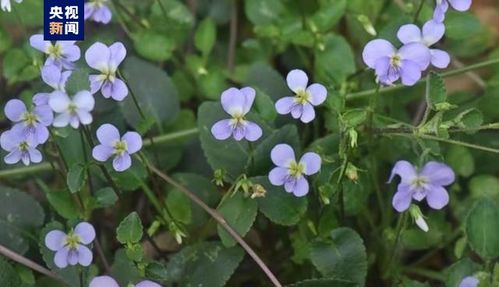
(416, 16)
(363, 94)
(399, 229)
(135, 101)
(101, 255)
(28, 263)
(221, 220)
(434, 275)
(233, 36)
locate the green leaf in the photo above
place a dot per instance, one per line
(5, 40)
(155, 92)
(279, 206)
(179, 206)
(481, 229)
(240, 213)
(328, 14)
(14, 62)
(324, 283)
(461, 25)
(191, 266)
(483, 186)
(8, 275)
(77, 176)
(78, 81)
(124, 270)
(354, 117)
(457, 271)
(153, 45)
(437, 92)
(228, 154)
(265, 106)
(105, 197)
(130, 229)
(205, 36)
(62, 202)
(263, 77)
(336, 61)
(18, 213)
(461, 160)
(263, 12)
(470, 119)
(343, 258)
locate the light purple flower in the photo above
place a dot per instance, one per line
(107, 281)
(111, 144)
(71, 249)
(291, 173)
(5, 5)
(19, 147)
(62, 54)
(98, 11)
(237, 103)
(469, 281)
(55, 77)
(443, 5)
(391, 64)
(432, 32)
(31, 124)
(428, 183)
(106, 60)
(72, 111)
(301, 106)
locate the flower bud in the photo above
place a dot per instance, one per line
(418, 217)
(219, 177)
(351, 172)
(258, 191)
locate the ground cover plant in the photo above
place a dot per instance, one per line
(300, 143)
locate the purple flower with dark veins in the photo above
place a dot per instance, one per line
(71, 249)
(19, 147)
(427, 183)
(469, 281)
(62, 54)
(291, 173)
(98, 11)
(237, 103)
(391, 64)
(301, 106)
(72, 111)
(432, 32)
(112, 144)
(55, 77)
(106, 60)
(107, 281)
(31, 124)
(443, 5)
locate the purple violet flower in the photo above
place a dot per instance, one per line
(19, 147)
(469, 281)
(62, 54)
(237, 103)
(107, 281)
(443, 5)
(428, 183)
(106, 60)
(71, 248)
(72, 111)
(98, 11)
(5, 5)
(432, 32)
(301, 106)
(31, 124)
(391, 64)
(291, 173)
(55, 77)
(111, 144)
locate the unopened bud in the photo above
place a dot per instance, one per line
(258, 191)
(352, 133)
(366, 23)
(418, 217)
(156, 224)
(219, 177)
(177, 233)
(351, 172)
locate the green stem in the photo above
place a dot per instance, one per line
(426, 273)
(134, 98)
(428, 104)
(363, 94)
(420, 8)
(399, 230)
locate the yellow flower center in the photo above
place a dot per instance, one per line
(29, 118)
(395, 60)
(72, 108)
(23, 146)
(72, 240)
(120, 147)
(296, 169)
(302, 97)
(419, 181)
(238, 119)
(55, 50)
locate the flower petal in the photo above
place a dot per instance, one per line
(469, 281)
(409, 33)
(41, 99)
(410, 72)
(402, 198)
(439, 58)
(440, 10)
(37, 42)
(308, 113)
(51, 75)
(107, 134)
(297, 80)
(318, 94)
(278, 175)
(86, 232)
(118, 54)
(96, 82)
(14, 109)
(61, 120)
(253, 131)
(301, 187)
(84, 100)
(61, 258)
(9, 140)
(460, 5)
(385, 73)
(59, 102)
(35, 155)
(13, 157)
(249, 94)
(54, 240)
(405, 170)
(433, 31)
(376, 49)
(233, 101)
(102, 14)
(221, 130)
(122, 163)
(436, 196)
(116, 90)
(44, 114)
(284, 105)
(85, 256)
(103, 281)
(102, 152)
(147, 283)
(84, 117)
(133, 140)
(282, 155)
(69, 51)
(438, 173)
(312, 163)
(97, 56)
(417, 53)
